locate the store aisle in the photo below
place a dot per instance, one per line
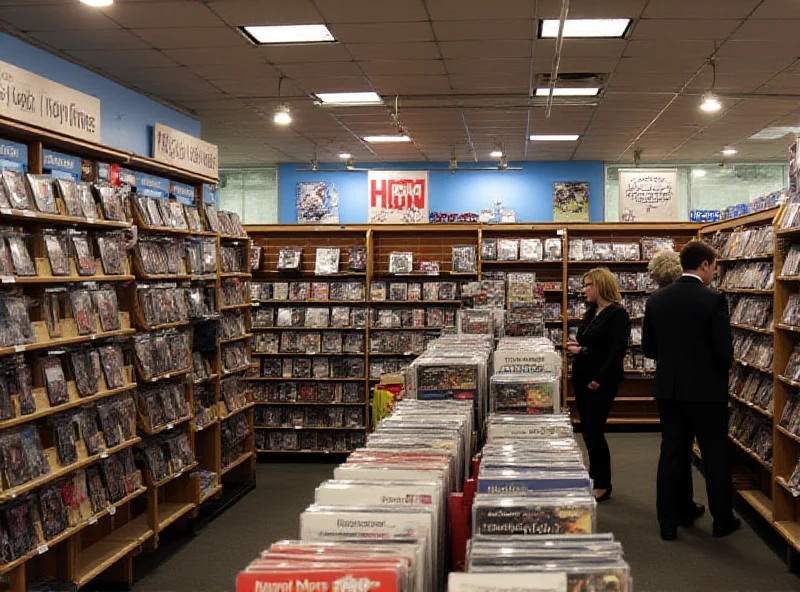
(694, 563)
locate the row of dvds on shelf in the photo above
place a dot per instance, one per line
(296, 416)
(791, 266)
(523, 249)
(327, 260)
(165, 303)
(167, 455)
(746, 276)
(344, 317)
(233, 292)
(308, 440)
(163, 352)
(751, 311)
(791, 216)
(89, 430)
(751, 431)
(755, 388)
(234, 434)
(627, 280)
(752, 349)
(308, 342)
(235, 357)
(164, 213)
(747, 242)
(32, 520)
(790, 418)
(69, 253)
(165, 255)
(162, 405)
(309, 392)
(57, 196)
(587, 249)
(317, 368)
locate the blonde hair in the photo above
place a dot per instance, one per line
(665, 268)
(605, 283)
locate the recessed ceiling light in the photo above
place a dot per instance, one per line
(386, 139)
(349, 98)
(585, 28)
(98, 3)
(699, 173)
(568, 92)
(283, 115)
(345, 155)
(555, 138)
(261, 35)
(496, 154)
(710, 103)
(729, 151)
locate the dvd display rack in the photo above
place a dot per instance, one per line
(407, 271)
(87, 416)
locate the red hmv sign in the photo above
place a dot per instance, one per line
(398, 197)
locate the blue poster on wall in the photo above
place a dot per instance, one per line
(317, 203)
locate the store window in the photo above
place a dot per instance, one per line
(251, 193)
(707, 186)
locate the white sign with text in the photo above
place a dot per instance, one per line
(648, 195)
(29, 98)
(183, 151)
(397, 197)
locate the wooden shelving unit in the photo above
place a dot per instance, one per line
(103, 546)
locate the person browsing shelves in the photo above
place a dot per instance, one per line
(687, 330)
(597, 370)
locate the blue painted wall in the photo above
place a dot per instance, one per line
(127, 117)
(528, 192)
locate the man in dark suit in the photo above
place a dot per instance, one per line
(687, 331)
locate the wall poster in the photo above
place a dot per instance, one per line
(317, 203)
(570, 201)
(648, 195)
(397, 197)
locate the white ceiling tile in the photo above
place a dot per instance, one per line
(778, 9)
(97, 40)
(191, 37)
(312, 53)
(265, 12)
(393, 51)
(390, 85)
(585, 9)
(668, 49)
(383, 33)
(168, 14)
(488, 66)
(321, 69)
(211, 56)
(251, 87)
(116, 58)
(581, 48)
(233, 71)
(403, 68)
(703, 10)
(576, 65)
(134, 74)
(74, 17)
(769, 29)
(325, 84)
(684, 29)
(650, 82)
(480, 10)
(490, 83)
(498, 49)
(369, 11)
(649, 65)
(485, 30)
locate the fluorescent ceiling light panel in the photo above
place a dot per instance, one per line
(585, 28)
(263, 35)
(386, 139)
(775, 132)
(350, 98)
(555, 137)
(568, 92)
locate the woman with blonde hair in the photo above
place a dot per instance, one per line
(597, 370)
(665, 268)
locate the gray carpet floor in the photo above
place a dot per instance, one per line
(743, 562)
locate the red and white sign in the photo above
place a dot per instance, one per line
(398, 197)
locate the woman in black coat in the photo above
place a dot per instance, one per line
(597, 369)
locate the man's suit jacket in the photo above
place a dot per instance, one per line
(687, 330)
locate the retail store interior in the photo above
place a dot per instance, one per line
(290, 291)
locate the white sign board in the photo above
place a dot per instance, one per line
(29, 98)
(648, 195)
(183, 151)
(397, 197)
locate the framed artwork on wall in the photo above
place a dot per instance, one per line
(317, 203)
(570, 201)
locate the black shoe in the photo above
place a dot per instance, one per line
(691, 514)
(669, 533)
(605, 497)
(729, 527)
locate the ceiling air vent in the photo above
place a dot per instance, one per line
(574, 80)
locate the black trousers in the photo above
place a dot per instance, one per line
(681, 422)
(593, 410)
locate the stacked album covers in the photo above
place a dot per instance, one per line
(401, 343)
(527, 377)
(587, 249)
(327, 261)
(160, 213)
(160, 255)
(464, 259)
(653, 245)
(627, 280)
(230, 224)
(162, 304)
